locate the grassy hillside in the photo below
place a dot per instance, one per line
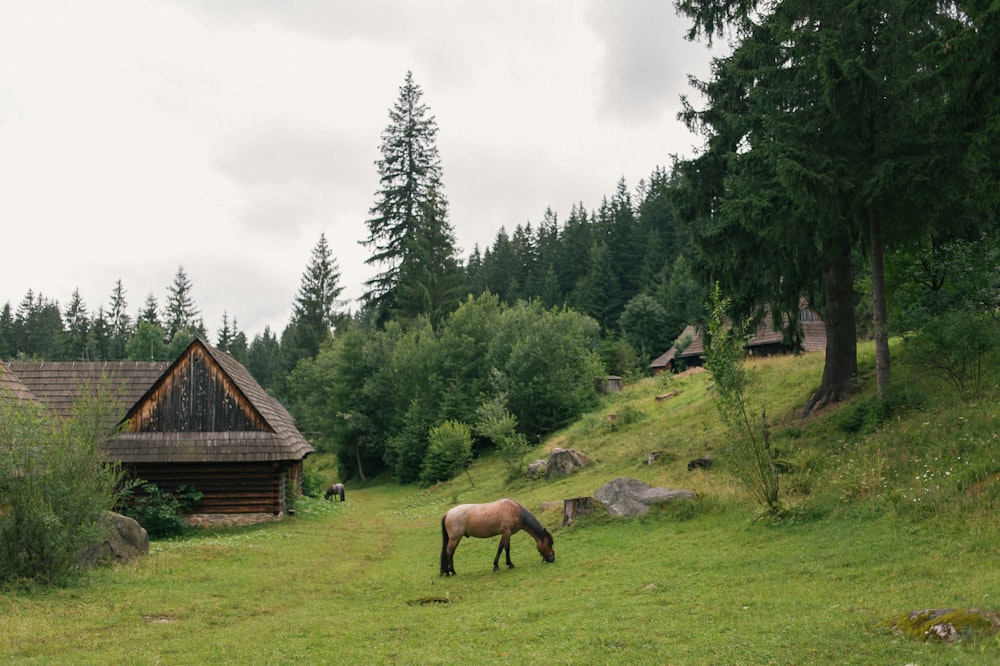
(890, 507)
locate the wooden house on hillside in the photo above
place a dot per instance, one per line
(201, 421)
(689, 349)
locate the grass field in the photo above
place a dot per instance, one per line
(887, 512)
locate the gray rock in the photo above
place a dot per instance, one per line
(123, 539)
(632, 497)
(563, 462)
(536, 469)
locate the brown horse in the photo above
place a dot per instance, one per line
(335, 489)
(503, 517)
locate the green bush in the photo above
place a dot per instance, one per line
(313, 481)
(498, 425)
(160, 512)
(449, 452)
(750, 456)
(54, 486)
(957, 345)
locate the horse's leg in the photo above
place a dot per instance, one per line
(510, 565)
(505, 547)
(447, 551)
(448, 546)
(452, 545)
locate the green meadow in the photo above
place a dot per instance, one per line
(889, 507)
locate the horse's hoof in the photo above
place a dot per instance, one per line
(496, 568)
(510, 566)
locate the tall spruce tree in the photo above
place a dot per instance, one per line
(180, 311)
(412, 243)
(150, 312)
(38, 328)
(823, 139)
(314, 312)
(77, 329)
(6, 331)
(120, 322)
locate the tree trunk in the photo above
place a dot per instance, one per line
(841, 329)
(879, 306)
(361, 471)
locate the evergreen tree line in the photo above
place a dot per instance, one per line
(850, 158)
(41, 329)
(628, 264)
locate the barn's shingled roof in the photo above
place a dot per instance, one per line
(57, 385)
(813, 339)
(11, 386)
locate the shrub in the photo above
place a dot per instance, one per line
(160, 512)
(54, 487)
(498, 425)
(750, 453)
(449, 452)
(956, 345)
(313, 481)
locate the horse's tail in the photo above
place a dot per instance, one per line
(444, 546)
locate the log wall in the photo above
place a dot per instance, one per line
(225, 488)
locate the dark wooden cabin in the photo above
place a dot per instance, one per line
(201, 421)
(689, 350)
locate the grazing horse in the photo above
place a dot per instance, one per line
(335, 489)
(503, 517)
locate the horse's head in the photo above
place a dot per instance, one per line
(545, 547)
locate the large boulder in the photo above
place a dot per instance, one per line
(536, 468)
(123, 539)
(563, 462)
(631, 497)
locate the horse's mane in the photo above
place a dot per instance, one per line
(533, 526)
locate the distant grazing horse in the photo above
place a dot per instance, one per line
(335, 489)
(503, 517)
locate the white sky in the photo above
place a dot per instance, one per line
(137, 136)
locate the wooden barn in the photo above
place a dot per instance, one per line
(689, 350)
(201, 421)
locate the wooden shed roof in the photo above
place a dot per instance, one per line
(278, 440)
(57, 385)
(813, 339)
(11, 386)
(695, 348)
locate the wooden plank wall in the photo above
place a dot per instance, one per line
(196, 397)
(225, 488)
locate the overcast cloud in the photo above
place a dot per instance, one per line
(137, 136)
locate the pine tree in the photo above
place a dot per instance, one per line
(100, 336)
(238, 344)
(411, 240)
(263, 357)
(315, 309)
(824, 138)
(6, 331)
(180, 311)
(224, 337)
(120, 323)
(150, 312)
(38, 328)
(78, 329)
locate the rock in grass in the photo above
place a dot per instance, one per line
(631, 497)
(122, 539)
(945, 624)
